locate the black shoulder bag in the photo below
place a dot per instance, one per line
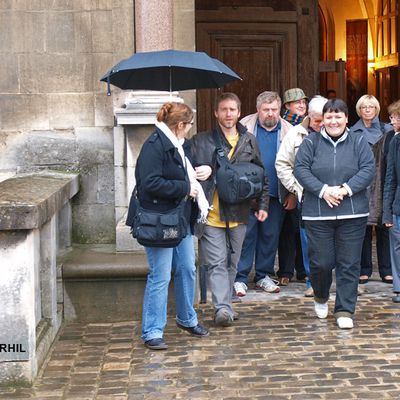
(239, 181)
(155, 228)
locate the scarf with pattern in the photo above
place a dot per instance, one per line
(293, 118)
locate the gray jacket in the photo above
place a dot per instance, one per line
(321, 162)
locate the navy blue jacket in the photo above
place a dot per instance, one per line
(161, 178)
(348, 162)
(391, 193)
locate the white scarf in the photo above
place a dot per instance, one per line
(201, 199)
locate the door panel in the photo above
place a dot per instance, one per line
(263, 54)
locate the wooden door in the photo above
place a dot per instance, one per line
(264, 55)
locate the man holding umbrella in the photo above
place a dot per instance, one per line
(221, 238)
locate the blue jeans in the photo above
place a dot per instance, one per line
(180, 261)
(306, 258)
(261, 240)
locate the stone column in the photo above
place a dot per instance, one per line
(154, 25)
(19, 259)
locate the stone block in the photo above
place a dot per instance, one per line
(124, 240)
(83, 32)
(108, 4)
(56, 73)
(184, 26)
(120, 212)
(19, 251)
(50, 149)
(136, 136)
(102, 62)
(95, 145)
(11, 144)
(86, 5)
(123, 29)
(102, 32)
(105, 192)
(7, 33)
(29, 201)
(23, 112)
(64, 228)
(119, 277)
(59, 5)
(21, 32)
(9, 74)
(70, 110)
(121, 186)
(93, 223)
(6, 5)
(89, 185)
(47, 277)
(60, 32)
(119, 146)
(103, 111)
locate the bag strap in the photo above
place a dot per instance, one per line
(222, 159)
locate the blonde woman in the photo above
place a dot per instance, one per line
(372, 129)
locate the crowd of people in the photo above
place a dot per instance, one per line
(327, 187)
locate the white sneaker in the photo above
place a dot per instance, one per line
(321, 309)
(240, 289)
(269, 285)
(345, 323)
(309, 292)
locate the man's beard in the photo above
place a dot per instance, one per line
(270, 123)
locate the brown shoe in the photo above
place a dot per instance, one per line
(283, 281)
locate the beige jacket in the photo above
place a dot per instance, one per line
(284, 163)
(250, 123)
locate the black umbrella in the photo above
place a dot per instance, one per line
(169, 70)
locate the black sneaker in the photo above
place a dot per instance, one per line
(198, 330)
(156, 344)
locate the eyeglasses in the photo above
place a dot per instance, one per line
(367, 107)
(394, 117)
(189, 123)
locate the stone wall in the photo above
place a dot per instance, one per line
(54, 112)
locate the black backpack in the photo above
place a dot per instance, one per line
(236, 182)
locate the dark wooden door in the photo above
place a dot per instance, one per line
(263, 54)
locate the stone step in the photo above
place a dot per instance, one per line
(101, 285)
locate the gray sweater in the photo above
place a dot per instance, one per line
(321, 162)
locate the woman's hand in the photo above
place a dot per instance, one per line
(203, 172)
(333, 195)
(193, 191)
(388, 225)
(261, 215)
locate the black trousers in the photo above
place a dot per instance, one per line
(336, 244)
(289, 250)
(382, 251)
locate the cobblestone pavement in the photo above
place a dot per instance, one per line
(277, 349)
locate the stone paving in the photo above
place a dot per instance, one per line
(277, 349)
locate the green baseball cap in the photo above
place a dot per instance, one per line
(293, 94)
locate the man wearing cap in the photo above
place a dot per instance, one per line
(295, 103)
(261, 240)
(289, 249)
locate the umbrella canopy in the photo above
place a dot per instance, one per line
(169, 70)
